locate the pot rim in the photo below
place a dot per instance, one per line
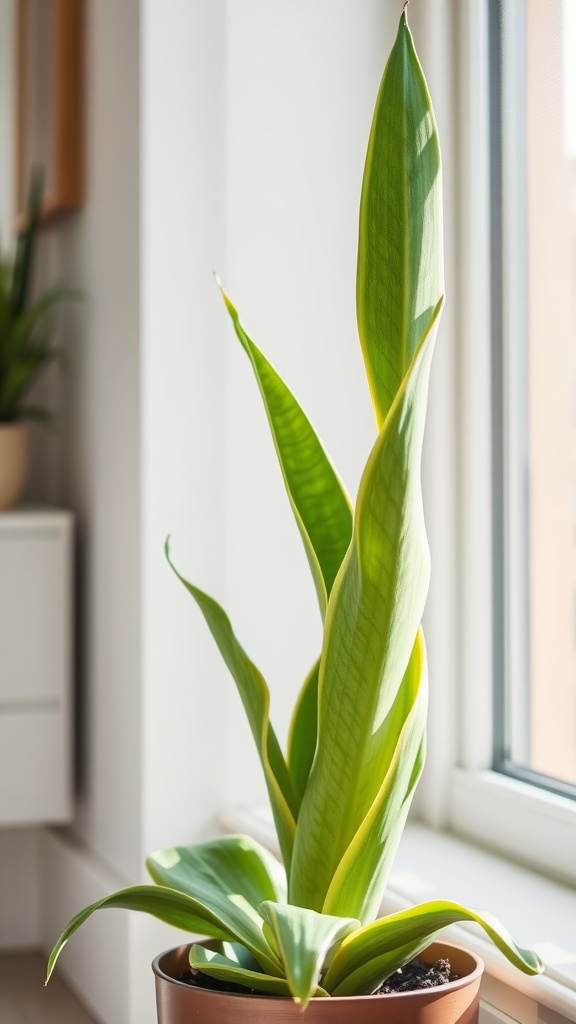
(450, 986)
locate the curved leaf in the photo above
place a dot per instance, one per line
(317, 496)
(303, 732)
(216, 965)
(369, 976)
(305, 940)
(400, 257)
(255, 697)
(231, 863)
(373, 616)
(168, 905)
(369, 956)
(231, 876)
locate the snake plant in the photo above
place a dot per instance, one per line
(341, 792)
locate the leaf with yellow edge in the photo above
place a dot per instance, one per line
(400, 275)
(305, 941)
(316, 493)
(303, 732)
(374, 952)
(360, 879)
(373, 617)
(255, 697)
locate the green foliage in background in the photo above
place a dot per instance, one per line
(26, 338)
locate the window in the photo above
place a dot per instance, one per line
(533, 179)
(514, 280)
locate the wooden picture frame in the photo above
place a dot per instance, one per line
(50, 102)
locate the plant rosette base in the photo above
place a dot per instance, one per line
(454, 1003)
(14, 460)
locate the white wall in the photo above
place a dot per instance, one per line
(183, 414)
(101, 474)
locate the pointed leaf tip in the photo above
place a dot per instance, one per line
(304, 940)
(255, 697)
(318, 498)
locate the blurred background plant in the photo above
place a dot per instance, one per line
(27, 347)
(26, 328)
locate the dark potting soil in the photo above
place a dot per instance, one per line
(415, 975)
(418, 975)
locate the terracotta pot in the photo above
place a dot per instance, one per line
(454, 1003)
(13, 462)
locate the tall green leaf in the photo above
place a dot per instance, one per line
(400, 262)
(358, 884)
(255, 697)
(305, 940)
(373, 616)
(377, 602)
(371, 954)
(303, 732)
(316, 493)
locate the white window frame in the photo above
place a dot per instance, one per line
(521, 820)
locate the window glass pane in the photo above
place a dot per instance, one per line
(534, 218)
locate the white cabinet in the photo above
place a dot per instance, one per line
(35, 666)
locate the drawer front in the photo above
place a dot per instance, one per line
(34, 617)
(35, 781)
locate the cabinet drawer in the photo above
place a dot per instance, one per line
(35, 767)
(34, 617)
(35, 666)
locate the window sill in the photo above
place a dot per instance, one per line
(517, 817)
(536, 910)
